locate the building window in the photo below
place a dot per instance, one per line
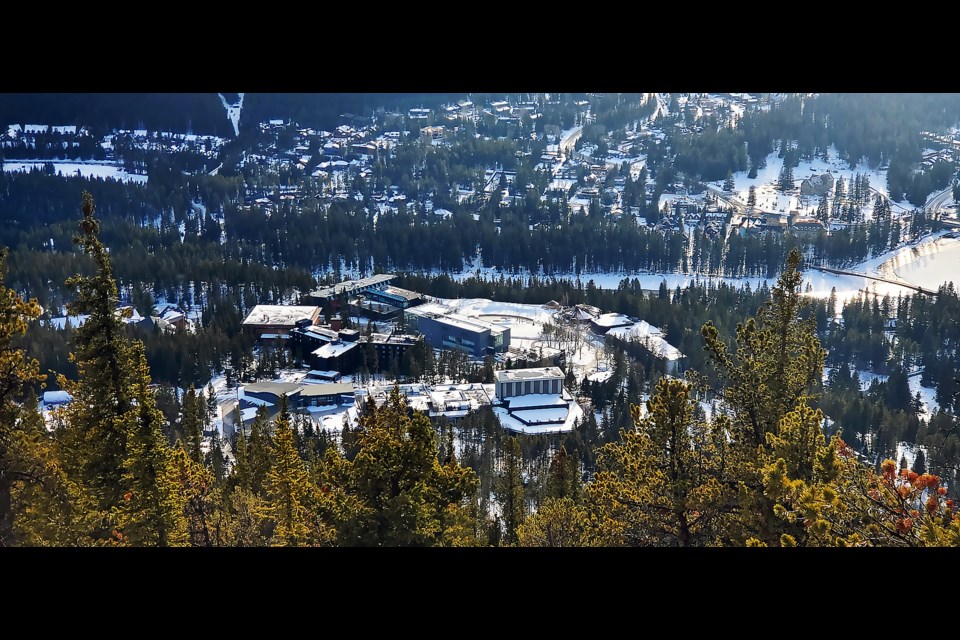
(526, 387)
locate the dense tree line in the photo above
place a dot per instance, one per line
(323, 110)
(103, 112)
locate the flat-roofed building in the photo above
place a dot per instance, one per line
(535, 401)
(477, 337)
(519, 382)
(402, 298)
(278, 320)
(349, 289)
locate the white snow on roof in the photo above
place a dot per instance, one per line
(316, 373)
(650, 336)
(534, 416)
(483, 307)
(533, 373)
(573, 413)
(255, 400)
(536, 400)
(600, 376)
(612, 320)
(56, 397)
(279, 314)
(332, 350)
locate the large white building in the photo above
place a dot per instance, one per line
(534, 401)
(520, 382)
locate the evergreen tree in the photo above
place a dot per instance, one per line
(920, 462)
(258, 451)
(395, 492)
(191, 424)
(663, 483)
(563, 478)
(30, 478)
(785, 181)
(777, 363)
(510, 490)
(558, 522)
(202, 501)
(752, 196)
(152, 511)
(728, 184)
(94, 437)
(287, 486)
(215, 458)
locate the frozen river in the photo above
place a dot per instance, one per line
(927, 265)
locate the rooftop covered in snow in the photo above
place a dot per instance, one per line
(273, 314)
(512, 375)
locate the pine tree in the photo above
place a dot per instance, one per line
(112, 437)
(395, 492)
(211, 406)
(785, 181)
(215, 459)
(510, 490)
(920, 462)
(287, 485)
(728, 184)
(558, 522)
(191, 424)
(32, 485)
(752, 197)
(563, 478)
(823, 210)
(662, 484)
(777, 363)
(152, 511)
(200, 498)
(258, 451)
(95, 436)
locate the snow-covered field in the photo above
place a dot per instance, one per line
(769, 199)
(84, 169)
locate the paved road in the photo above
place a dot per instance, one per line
(937, 200)
(730, 201)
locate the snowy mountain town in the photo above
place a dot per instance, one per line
(558, 301)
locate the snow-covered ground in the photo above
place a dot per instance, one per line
(85, 169)
(909, 452)
(233, 111)
(927, 394)
(769, 199)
